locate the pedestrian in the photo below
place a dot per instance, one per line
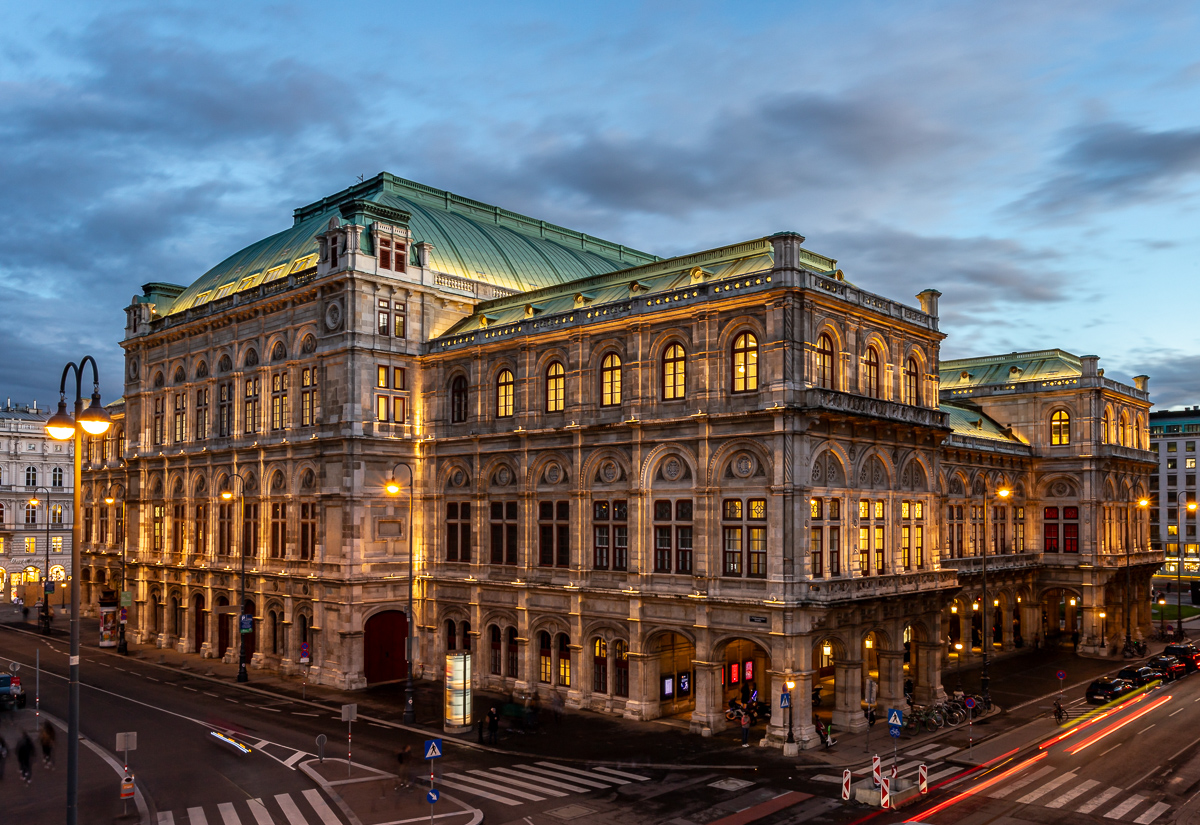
(745, 730)
(47, 738)
(403, 758)
(534, 713)
(3, 755)
(556, 705)
(745, 693)
(1075, 640)
(493, 724)
(25, 758)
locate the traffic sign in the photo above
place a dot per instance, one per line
(785, 700)
(433, 748)
(885, 796)
(127, 741)
(846, 784)
(895, 717)
(349, 712)
(923, 778)
(969, 702)
(304, 653)
(14, 666)
(894, 731)
(433, 795)
(246, 623)
(1062, 674)
(876, 773)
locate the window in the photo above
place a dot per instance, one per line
(1172, 464)
(103, 537)
(554, 533)
(504, 394)
(253, 404)
(308, 397)
(912, 383)
(744, 543)
(31, 514)
(180, 418)
(250, 529)
(399, 409)
(1190, 447)
(610, 534)
(1060, 428)
(158, 516)
(399, 378)
(31, 475)
(504, 532)
(1189, 463)
(384, 317)
(381, 377)
(56, 545)
(556, 383)
(458, 531)
(279, 401)
(872, 537)
(451, 635)
(673, 535)
(621, 669)
(225, 410)
(391, 254)
(674, 369)
(383, 407)
(514, 658)
(31, 544)
(912, 534)
(610, 380)
(1061, 530)
(825, 538)
(159, 404)
(56, 475)
(224, 528)
(544, 665)
(745, 363)
(1172, 446)
(200, 535)
(1106, 427)
(308, 530)
(564, 660)
(202, 413)
(458, 399)
(599, 666)
(871, 373)
(278, 528)
(824, 366)
(177, 524)
(496, 659)
(400, 320)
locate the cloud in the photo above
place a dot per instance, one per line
(1174, 375)
(1112, 165)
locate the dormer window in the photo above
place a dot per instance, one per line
(391, 254)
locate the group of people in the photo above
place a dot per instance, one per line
(26, 749)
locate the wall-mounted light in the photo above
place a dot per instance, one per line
(953, 608)
(958, 646)
(870, 643)
(1102, 614)
(974, 605)
(827, 649)
(995, 602)
(1072, 602)
(790, 684)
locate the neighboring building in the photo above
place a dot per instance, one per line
(1173, 437)
(639, 482)
(35, 539)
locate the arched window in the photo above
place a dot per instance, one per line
(599, 666)
(56, 514)
(56, 477)
(674, 361)
(458, 399)
(1060, 428)
(1106, 427)
(466, 635)
(824, 363)
(31, 514)
(610, 380)
(504, 394)
(451, 635)
(556, 386)
(1139, 435)
(1123, 431)
(513, 665)
(745, 363)
(496, 658)
(545, 670)
(621, 671)
(912, 383)
(871, 373)
(31, 476)
(564, 660)
(1, 515)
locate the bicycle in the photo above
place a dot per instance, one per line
(926, 716)
(1060, 715)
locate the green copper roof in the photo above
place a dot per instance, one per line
(1041, 365)
(470, 240)
(968, 421)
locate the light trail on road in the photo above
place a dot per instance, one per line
(1116, 726)
(954, 800)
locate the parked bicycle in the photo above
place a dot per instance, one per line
(922, 716)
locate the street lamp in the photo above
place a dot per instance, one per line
(227, 495)
(95, 421)
(393, 488)
(984, 680)
(958, 651)
(1104, 627)
(1190, 508)
(1142, 504)
(1162, 616)
(791, 737)
(44, 615)
(122, 645)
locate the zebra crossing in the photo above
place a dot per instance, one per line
(269, 811)
(535, 782)
(931, 756)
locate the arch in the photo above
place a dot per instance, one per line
(874, 472)
(657, 457)
(1106, 425)
(458, 399)
(201, 370)
(278, 351)
(538, 470)
(589, 473)
(915, 476)
(308, 344)
(447, 474)
(872, 383)
(726, 452)
(1123, 435)
(159, 379)
(225, 364)
(251, 358)
(744, 363)
(179, 377)
(674, 371)
(828, 469)
(825, 366)
(385, 636)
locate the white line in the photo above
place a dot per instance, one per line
(373, 724)
(103, 664)
(298, 713)
(516, 782)
(294, 758)
(564, 769)
(318, 803)
(1110, 750)
(1047, 788)
(933, 777)
(494, 797)
(261, 742)
(261, 817)
(552, 782)
(193, 690)
(123, 670)
(920, 750)
(1194, 701)
(196, 816)
(272, 710)
(228, 814)
(591, 783)
(1096, 802)
(152, 679)
(1078, 790)
(1021, 783)
(635, 777)
(164, 817)
(1125, 807)
(290, 810)
(512, 791)
(1181, 710)
(235, 701)
(942, 754)
(1152, 814)
(214, 695)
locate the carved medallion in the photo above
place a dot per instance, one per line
(743, 465)
(553, 474)
(503, 476)
(608, 471)
(333, 316)
(672, 469)
(134, 368)
(458, 478)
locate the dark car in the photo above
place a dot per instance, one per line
(1139, 675)
(1106, 689)
(1185, 652)
(11, 693)
(1168, 666)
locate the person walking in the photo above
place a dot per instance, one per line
(47, 739)
(25, 758)
(1075, 640)
(493, 724)
(745, 730)
(403, 758)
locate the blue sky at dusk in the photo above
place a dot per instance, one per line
(1038, 163)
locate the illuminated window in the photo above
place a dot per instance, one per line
(504, 394)
(610, 380)
(912, 383)
(253, 404)
(279, 401)
(1060, 428)
(745, 363)
(1106, 427)
(823, 366)
(871, 373)
(556, 385)
(308, 396)
(599, 666)
(674, 367)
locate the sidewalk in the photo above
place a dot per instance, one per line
(373, 797)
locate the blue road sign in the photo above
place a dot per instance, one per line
(247, 623)
(432, 796)
(894, 731)
(969, 702)
(433, 748)
(785, 700)
(1062, 674)
(895, 717)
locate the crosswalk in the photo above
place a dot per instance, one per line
(535, 782)
(268, 811)
(1045, 786)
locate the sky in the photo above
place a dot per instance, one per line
(1038, 163)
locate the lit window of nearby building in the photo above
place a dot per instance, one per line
(745, 363)
(504, 394)
(674, 372)
(556, 383)
(1060, 428)
(610, 380)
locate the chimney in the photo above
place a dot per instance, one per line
(1142, 382)
(1089, 364)
(929, 301)
(787, 249)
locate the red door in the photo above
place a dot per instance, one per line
(384, 642)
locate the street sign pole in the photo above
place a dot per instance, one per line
(1062, 674)
(349, 713)
(433, 750)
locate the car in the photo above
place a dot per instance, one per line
(1106, 689)
(11, 693)
(1139, 675)
(1185, 652)
(1168, 666)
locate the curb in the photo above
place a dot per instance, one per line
(328, 788)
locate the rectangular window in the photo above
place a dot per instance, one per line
(177, 523)
(458, 531)
(159, 403)
(253, 404)
(1051, 538)
(202, 414)
(224, 529)
(278, 529)
(308, 530)
(504, 532)
(30, 544)
(225, 410)
(756, 548)
(399, 410)
(662, 549)
(864, 550)
(199, 527)
(103, 537)
(399, 381)
(880, 551)
(383, 407)
(158, 516)
(56, 544)
(673, 535)
(400, 321)
(385, 319)
(279, 401)
(919, 544)
(250, 529)
(1173, 447)
(600, 546)
(381, 377)
(308, 396)
(180, 418)
(906, 546)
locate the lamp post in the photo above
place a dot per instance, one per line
(1162, 616)
(227, 495)
(122, 645)
(1104, 627)
(61, 426)
(791, 737)
(958, 654)
(44, 615)
(393, 488)
(986, 642)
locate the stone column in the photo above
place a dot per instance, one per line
(708, 717)
(847, 710)
(928, 688)
(1031, 623)
(805, 730)
(776, 733)
(891, 680)
(1007, 641)
(578, 689)
(644, 702)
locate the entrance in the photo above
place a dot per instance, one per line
(198, 623)
(676, 677)
(384, 640)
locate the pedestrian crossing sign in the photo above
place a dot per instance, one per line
(895, 717)
(433, 748)
(785, 700)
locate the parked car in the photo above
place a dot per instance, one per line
(1106, 689)
(1168, 666)
(1139, 675)
(11, 693)
(1185, 652)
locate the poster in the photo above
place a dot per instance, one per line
(108, 625)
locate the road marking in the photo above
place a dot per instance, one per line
(228, 814)
(294, 817)
(1021, 783)
(485, 794)
(1110, 750)
(564, 769)
(294, 758)
(591, 783)
(261, 743)
(318, 802)
(1096, 802)
(1152, 814)
(1125, 807)
(511, 791)
(164, 817)
(1195, 700)
(152, 679)
(1181, 710)
(1143, 730)
(196, 816)
(934, 777)
(942, 754)
(920, 750)
(193, 690)
(1047, 788)
(261, 817)
(1078, 790)
(518, 783)
(554, 783)
(635, 777)
(235, 701)
(377, 725)
(298, 713)
(214, 695)
(102, 664)
(264, 707)
(123, 670)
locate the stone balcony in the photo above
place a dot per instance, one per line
(973, 565)
(829, 591)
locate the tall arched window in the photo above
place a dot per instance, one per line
(458, 399)
(871, 373)
(912, 383)
(1060, 428)
(621, 671)
(556, 386)
(674, 361)
(504, 394)
(824, 363)
(610, 380)
(451, 635)
(56, 477)
(1106, 427)
(745, 363)
(31, 476)
(545, 668)
(496, 661)
(599, 666)
(56, 514)
(31, 514)
(1, 516)
(1123, 431)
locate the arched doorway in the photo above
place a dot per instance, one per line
(198, 623)
(223, 622)
(384, 640)
(673, 673)
(1062, 616)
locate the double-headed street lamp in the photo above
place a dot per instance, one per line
(44, 615)
(1142, 505)
(1190, 507)
(988, 613)
(122, 645)
(93, 420)
(227, 495)
(393, 488)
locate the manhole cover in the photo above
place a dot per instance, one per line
(571, 812)
(731, 784)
